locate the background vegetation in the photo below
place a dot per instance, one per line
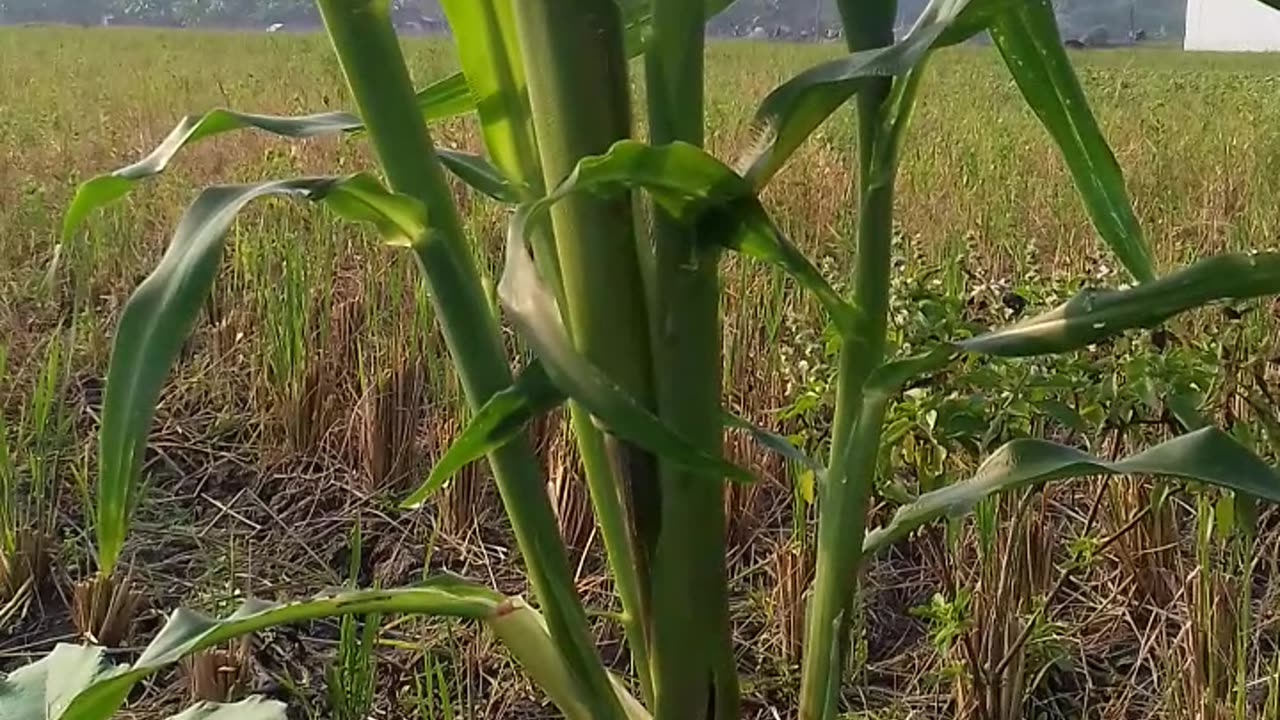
(258, 448)
(1077, 17)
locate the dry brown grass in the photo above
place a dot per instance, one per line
(280, 468)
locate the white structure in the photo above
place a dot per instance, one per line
(275, 27)
(1232, 26)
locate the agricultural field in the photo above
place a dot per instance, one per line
(315, 394)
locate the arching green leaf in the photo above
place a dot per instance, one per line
(1027, 37)
(975, 18)
(75, 683)
(160, 314)
(1209, 456)
(476, 172)
(189, 632)
(790, 113)
(532, 395)
(694, 186)
(105, 189)
(489, 52)
(1094, 315)
(501, 420)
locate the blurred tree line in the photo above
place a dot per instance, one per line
(785, 18)
(241, 13)
(1078, 17)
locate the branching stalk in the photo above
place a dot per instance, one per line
(855, 440)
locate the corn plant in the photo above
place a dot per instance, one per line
(618, 304)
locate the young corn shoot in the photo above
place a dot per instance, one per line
(694, 670)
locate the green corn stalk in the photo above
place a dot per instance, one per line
(578, 90)
(370, 55)
(692, 652)
(855, 436)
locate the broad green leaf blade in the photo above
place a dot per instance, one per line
(694, 186)
(189, 632)
(251, 708)
(976, 17)
(1028, 40)
(442, 99)
(160, 315)
(476, 172)
(445, 98)
(73, 682)
(774, 442)
(501, 419)
(1094, 315)
(105, 189)
(790, 113)
(46, 687)
(1209, 456)
(534, 312)
(484, 33)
